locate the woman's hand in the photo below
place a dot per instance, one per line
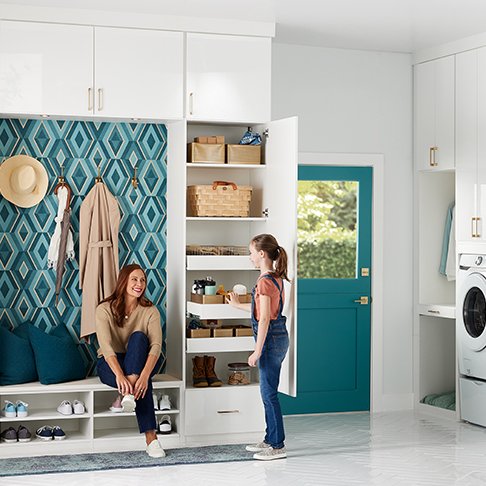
(140, 387)
(253, 358)
(123, 385)
(233, 299)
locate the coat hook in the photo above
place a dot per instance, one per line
(98, 178)
(134, 178)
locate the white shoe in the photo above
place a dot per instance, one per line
(156, 401)
(164, 403)
(165, 426)
(154, 449)
(257, 447)
(78, 407)
(65, 408)
(128, 403)
(22, 408)
(269, 454)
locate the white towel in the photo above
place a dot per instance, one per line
(53, 253)
(451, 252)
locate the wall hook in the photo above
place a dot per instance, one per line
(134, 178)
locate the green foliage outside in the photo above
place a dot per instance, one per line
(327, 229)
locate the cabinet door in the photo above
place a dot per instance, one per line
(45, 68)
(434, 114)
(280, 198)
(138, 73)
(481, 145)
(228, 78)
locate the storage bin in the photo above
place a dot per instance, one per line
(243, 331)
(223, 332)
(239, 374)
(243, 154)
(199, 333)
(205, 153)
(207, 299)
(221, 199)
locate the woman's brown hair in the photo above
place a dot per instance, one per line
(117, 298)
(275, 252)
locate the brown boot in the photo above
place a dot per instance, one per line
(198, 372)
(213, 380)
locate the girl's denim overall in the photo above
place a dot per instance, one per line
(270, 362)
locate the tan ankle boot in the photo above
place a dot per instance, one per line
(213, 380)
(199, 372)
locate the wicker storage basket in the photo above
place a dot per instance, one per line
(221, 199)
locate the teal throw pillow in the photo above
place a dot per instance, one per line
(56, 355)
(17, 363)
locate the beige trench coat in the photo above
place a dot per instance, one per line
(99, 222)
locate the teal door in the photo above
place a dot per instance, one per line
(334, 285)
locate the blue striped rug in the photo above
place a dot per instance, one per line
(21, 466)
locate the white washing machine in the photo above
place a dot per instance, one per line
(471, 337)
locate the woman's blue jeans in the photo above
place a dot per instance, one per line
(270, 363)
(132, 363)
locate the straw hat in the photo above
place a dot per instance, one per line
(23, 181)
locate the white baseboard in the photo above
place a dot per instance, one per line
(393, 402)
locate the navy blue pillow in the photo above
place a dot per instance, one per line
(56, 355)
(17, 363)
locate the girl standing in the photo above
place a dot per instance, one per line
(271, 337)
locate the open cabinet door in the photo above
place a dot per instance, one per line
(280, 199)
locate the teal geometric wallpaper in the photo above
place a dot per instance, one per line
(27, 286)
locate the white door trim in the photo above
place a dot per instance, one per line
(377, 162)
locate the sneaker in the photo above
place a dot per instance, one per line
(165, 425)
(44, 433)
(116, 406)
(65, 408)
(78, 407)
(9, 409)
(257, 447)
(58, 433)
(22, 408)
(269, 454)
(23, 434)
(164, 403)
(9, 435)
(156, 401)
(154, 449)
(128, 403)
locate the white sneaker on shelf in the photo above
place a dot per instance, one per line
(154, 449)
(78, 407)
(128, 403)
(165, 425)
(65, 408)
(156, 401)
(164, 403)
(22, 408)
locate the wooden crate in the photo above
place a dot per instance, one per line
(223, 332)
(207, 299)
(205, 153)
(243, 154)
(227, 200)
(243, 331)
(199, 333)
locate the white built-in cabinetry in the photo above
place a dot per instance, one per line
(434, 114)
(228, 78)
(52, 69)
(434, 323)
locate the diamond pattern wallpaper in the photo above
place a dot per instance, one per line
(27, 287)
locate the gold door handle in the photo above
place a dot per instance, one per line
(478, 234)
(363, 300)
(473, 234)
(432, 161)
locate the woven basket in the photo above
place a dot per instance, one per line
(221, 199)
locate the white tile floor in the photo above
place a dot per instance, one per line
(387, 449)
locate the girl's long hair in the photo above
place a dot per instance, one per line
(275, 252)
(117, 298)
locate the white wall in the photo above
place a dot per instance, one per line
(352, 101)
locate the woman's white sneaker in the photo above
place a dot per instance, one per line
(128, 403)
(270, 453)
(154, 449)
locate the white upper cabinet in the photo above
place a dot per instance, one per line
(434, 114)
(471, 145)
(138, 73)
(45, 68)
(228, 78)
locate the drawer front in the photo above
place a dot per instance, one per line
(473, 400)
(224, 410)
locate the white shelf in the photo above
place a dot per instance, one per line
(123, 434)
(220, 218)
(219, 262)
(44, 415)
(446, 311)
(108, 414)
(216, 311)
(220, 344)
(437, 411)
(224, 166)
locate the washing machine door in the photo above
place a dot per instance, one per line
(472, 321)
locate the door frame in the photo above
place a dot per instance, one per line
(376, 161)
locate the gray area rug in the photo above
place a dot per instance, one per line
(20, 466)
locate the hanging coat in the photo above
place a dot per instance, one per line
(99, 221)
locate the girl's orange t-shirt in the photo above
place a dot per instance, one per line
(265, 286)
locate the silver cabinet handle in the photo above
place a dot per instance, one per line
(191, 103)
(228, 411)
(100, 99)
(90, 99)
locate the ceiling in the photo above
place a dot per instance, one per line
(384, 25)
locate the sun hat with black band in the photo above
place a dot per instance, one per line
(23, 181)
